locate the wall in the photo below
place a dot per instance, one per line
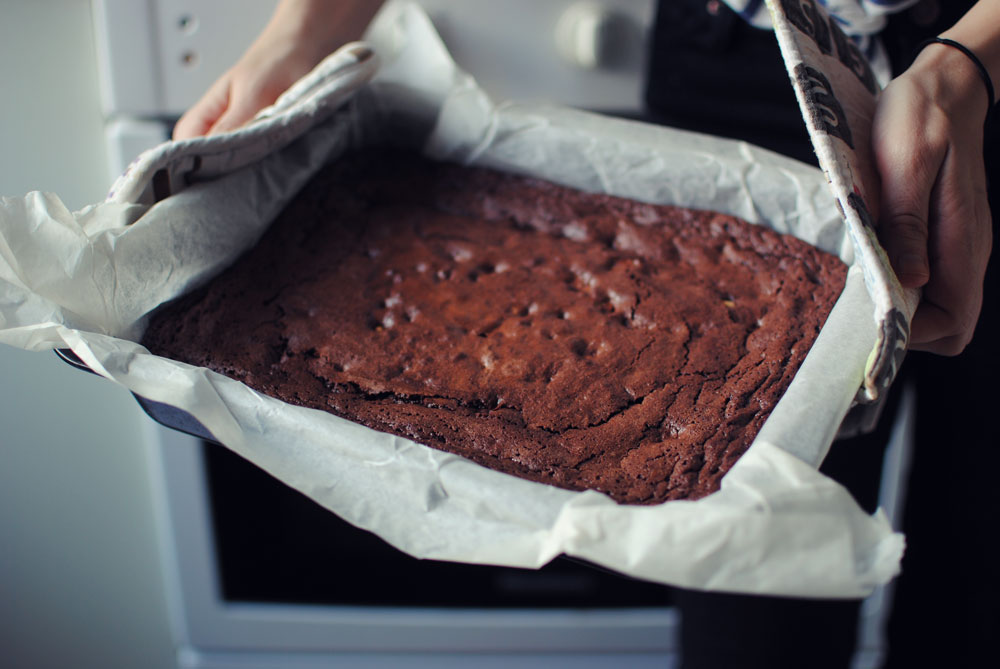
(80, 581)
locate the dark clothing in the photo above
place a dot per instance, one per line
(711, 72)
(716, 74)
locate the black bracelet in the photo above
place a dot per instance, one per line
(983, 74)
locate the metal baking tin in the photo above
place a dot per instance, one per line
(164, 414)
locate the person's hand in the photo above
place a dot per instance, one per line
(299, 35)
(264, 72)
(934, 218)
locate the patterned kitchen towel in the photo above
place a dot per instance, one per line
(837, 92)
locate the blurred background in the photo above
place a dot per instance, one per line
(80, 573)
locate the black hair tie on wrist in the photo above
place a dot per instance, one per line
(983, 73)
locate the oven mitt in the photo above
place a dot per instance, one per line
(171, 166)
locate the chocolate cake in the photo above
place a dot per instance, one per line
(576, 339)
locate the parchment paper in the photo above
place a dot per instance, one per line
(87, 280)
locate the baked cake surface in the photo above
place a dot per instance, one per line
(575, 339)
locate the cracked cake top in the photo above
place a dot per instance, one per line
(576, 339)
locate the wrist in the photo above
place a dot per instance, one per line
(322, 26)
(979, 31)
(953, 80)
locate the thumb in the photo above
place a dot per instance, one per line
(230, 120)
(240, 111)
(243, 106)
(903, 230)
(908, 172)
(909, 144)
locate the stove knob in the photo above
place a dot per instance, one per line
(590, 35)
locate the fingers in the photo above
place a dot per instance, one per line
(251, 85)
(249, 93)
(240, 110)
(908, 166)
(932, 328)
(960, 245)
(232, 101)
(200, 118)
(298, 37)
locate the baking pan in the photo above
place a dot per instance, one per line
(779, 527)
(164, 414)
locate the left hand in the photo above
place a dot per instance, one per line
(934, 218)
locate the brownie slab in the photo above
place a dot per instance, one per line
(576, 339)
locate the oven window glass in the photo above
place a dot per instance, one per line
(276, 545)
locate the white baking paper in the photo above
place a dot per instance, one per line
(87, 281)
